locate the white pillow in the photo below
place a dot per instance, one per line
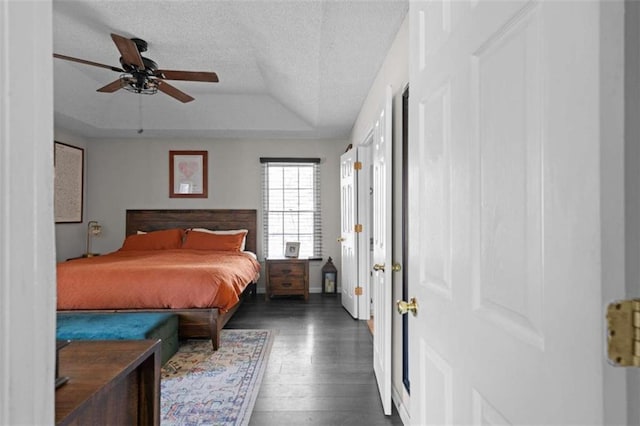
(226, 232)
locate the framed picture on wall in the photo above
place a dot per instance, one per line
(188, 174)
(68, 163)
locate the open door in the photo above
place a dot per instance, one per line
(508, 128)
(347, 239)
(382, 245)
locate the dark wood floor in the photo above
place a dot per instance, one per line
(320, 370)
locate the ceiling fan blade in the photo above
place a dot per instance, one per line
(173, 92)
(128, 50)
(187, 75)
(111, 87)
(83, 61)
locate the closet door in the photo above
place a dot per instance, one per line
(382, 245)
(348, 236)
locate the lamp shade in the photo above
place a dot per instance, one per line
(94, 228)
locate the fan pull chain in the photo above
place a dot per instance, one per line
(140, 130)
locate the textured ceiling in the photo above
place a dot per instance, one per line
(287, 68)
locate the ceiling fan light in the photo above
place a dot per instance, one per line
(131, 84)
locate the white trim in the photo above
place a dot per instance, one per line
(617, 405)
(27, 252)
(403, 410)
(363, 189)
(4, 223)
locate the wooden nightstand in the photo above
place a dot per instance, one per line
(286, 277)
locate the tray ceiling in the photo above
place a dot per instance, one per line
(287, 69)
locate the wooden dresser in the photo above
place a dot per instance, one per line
(287, 277)
(110, 382)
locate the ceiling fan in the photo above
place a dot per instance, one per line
(140, 74)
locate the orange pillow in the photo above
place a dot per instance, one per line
(225, 231)
(206, 241)
(156, 240)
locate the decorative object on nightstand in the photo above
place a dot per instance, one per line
(329, 278)
(93, 230)
(287, 277)
(292, 249)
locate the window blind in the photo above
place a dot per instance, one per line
(291, 208)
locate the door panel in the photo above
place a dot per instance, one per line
(348, 205)
(382, 245)
(504, 214)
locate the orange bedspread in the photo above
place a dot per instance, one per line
(177, 278)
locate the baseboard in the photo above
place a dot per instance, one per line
(400, 406)
(370, 325)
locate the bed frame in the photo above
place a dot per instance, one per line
(202, 322)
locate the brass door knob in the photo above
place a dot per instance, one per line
(410, 306)
(341, 239)
(378, 267)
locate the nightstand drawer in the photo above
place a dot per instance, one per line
(293, 270)
(284, 283)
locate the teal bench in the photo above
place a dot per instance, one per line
(120, 326)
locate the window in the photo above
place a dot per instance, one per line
(291, 205)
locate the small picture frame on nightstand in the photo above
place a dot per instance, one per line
(292, 249)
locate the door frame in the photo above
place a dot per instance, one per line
(405, 239)
(364, 217)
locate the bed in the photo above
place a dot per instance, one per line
(198, 318)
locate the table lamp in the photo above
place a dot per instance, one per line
(93, 229)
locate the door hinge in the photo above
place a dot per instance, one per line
(357, 228)
(358, 291)
(357, 165)
(623, 333)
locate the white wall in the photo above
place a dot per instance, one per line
(134, 174)
(394, 72)
(71, 238)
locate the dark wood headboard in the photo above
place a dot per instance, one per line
(154, 220)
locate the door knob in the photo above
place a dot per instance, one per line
(380, 267)
(341, 239)
(410, 306)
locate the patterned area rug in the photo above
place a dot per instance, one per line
(202, 387)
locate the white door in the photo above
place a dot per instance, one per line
(347, 239)
(504, 213)
(365, 205)
(382, 244)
